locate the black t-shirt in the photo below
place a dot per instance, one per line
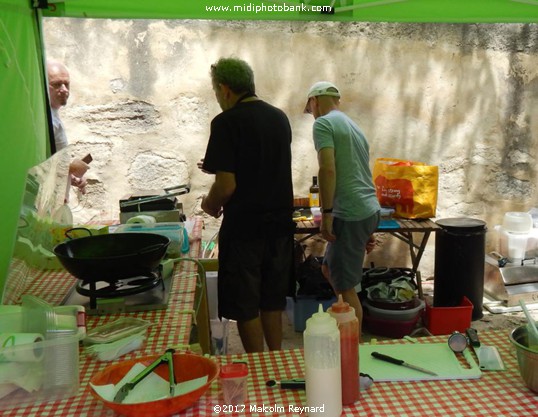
(253, 141)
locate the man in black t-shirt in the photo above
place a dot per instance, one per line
(249, 151)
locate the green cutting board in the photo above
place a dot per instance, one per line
(436, 357)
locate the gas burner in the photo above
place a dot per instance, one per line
(146, 292)
(119, 288)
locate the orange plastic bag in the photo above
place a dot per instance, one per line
(409, 187)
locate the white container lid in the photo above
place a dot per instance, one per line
(517, 222)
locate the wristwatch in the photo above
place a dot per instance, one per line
(325, 211)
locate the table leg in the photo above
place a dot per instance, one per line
(416, 251)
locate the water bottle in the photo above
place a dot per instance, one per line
(322, 365)
(348, 325)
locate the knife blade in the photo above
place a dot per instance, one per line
(401, 362)
(488, 357)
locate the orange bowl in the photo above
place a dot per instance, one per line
(186, 367)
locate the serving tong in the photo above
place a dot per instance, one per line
(167, 357)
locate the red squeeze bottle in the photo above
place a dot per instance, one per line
(348, 324)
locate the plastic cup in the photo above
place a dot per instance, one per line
(316, 214)
(233, 379)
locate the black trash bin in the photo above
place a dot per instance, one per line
(460, 248)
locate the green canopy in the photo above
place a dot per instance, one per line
(461, 11)
(23, 106)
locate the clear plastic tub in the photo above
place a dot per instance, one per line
(176, 232)
(116, 330)
(39, 354)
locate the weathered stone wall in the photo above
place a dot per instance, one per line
(458, 96)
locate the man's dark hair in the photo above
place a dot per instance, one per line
(235, 73)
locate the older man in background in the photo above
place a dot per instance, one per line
(59, 84)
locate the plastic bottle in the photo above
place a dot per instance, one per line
(313, 195)
(348, 325)
(322, 365)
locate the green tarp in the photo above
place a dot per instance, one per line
(462, 11)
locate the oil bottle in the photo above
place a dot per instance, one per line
(313, 194)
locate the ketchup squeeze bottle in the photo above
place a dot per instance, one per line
(348, 325)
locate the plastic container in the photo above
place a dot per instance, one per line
(446, 320)
(304, 307)
(44, 366)
(517, 246)
(323, 377)
(233, 379)
(316, 214)
(176, 232)
(517, 222)
(348, 325)
(395, 329)
(116, 330)
(396, 315)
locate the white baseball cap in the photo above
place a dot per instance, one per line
(322, 88)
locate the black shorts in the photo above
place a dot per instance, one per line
(254, 275)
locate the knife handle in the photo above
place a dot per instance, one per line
(387, 358)
(293, 384)
(472, 334)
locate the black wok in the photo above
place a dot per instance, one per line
(113, 256)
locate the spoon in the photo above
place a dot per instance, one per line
(531, 326)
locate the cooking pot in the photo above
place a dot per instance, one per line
(112, 257)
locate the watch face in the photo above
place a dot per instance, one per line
(457, 342)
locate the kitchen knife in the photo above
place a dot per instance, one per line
(401, 362)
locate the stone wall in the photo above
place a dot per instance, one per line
(457, 96)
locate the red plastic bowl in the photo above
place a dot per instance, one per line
(186, 367)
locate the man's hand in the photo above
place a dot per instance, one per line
(370, 245)
(326, 227)
(80, 183)
(200, 164)
(216, 213)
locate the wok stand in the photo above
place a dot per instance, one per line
(139, 284)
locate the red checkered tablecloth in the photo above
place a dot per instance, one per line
(496, 393)
(171, 328)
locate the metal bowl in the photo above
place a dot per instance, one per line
(527, 359)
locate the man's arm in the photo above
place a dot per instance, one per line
(219, 194)
(327, 177)
(327, 185)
